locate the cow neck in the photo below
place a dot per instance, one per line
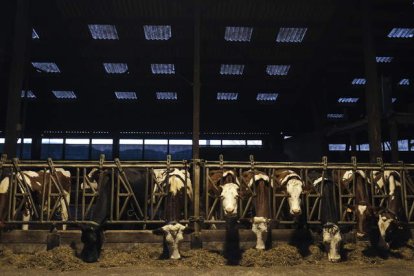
(361, 196)
(329, 215)
(262, 199)
(173, 205)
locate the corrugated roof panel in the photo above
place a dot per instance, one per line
(384, 59)
(348, 100)
(28, 94)
(105, 32)
(166, 69)
(404, 82)
(34, 34)
(359, 81)
(267, 97)
(239, 34)
(291, 35)
(125, 95)
(171, 96)
(157, 32)
(115, 68)
(401, 33)
(231, 69)
(226, 96)
(64, 94)
(277, 70)
(46, 67)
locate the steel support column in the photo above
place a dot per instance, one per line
(372, 91)
(18, 63)
(196, 238)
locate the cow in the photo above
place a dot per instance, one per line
(290, 183)
(260, 183)
(392, 220)
(93, 235)
(331, 232)
(36, 182)
(224, 184)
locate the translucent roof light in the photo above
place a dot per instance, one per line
(126, 95)
(34, 34)
(166, 95)
(359, 81)
(115, 68)
(384, 59)
(291, 35)
(337, 147)
(28, 94)
(225, 96)
(277, 70)
(267, 97)
(393, 100)
(157, 32)
(166, 69)
(348, 100)
(239, 34)
(335, 115)
(64, 94)
(231, 69)
(47, 67)
(105, 32)
(401, 33)
(404, 82)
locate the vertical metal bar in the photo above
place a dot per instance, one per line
(152, 194)
(118, 187)
(83, 193)
(185, 192)
(77, 193)
(146, 195)
(206, 183)
(111, 216)
(43, 195)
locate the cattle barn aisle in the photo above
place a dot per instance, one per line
(131, 223)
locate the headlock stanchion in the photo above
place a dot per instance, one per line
(147, 207)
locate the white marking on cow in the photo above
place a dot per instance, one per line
(362, 209)
(233, 174)
(176, 180)
(260, 226)
(173, 236)
(383, 224)
(332, 237)
(64, 172)
(318, 180)
(64, 209)
(258, 177)
(4, 185)
(294, 189)
(26, 177)
(25, 217)
(229, 196)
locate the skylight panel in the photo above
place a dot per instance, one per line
(225, 96)
(337, 147)
(64, 94)
(393, 100)
(167, 96)
(267, 97)
(105, 32)
(157, 32)
(291, 35)
(231, 69)
(115, 68)
(384, 59)
(46, 67)
(404, 82)
(163, 69)
(401, 33)
(34, 34)
(238, 34)
(359, 81)
(335, 116)
(277, 70)
(126, 95)
(28, 94)
(348, 100)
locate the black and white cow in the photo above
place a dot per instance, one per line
(331, 233)
(36, 181)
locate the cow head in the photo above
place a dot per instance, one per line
(388, 225)
(259, 227)
(332, 239)
(92, 239)
(229, 197)
(363, 215)
(173, 234)
(294, 190)
(93, 178)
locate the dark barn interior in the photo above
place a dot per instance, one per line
(285, 80)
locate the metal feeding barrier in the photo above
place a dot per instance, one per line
(146, 207)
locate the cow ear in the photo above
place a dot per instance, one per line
(350, 208)
(216, 189)
(188, 230)
(158, 231)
